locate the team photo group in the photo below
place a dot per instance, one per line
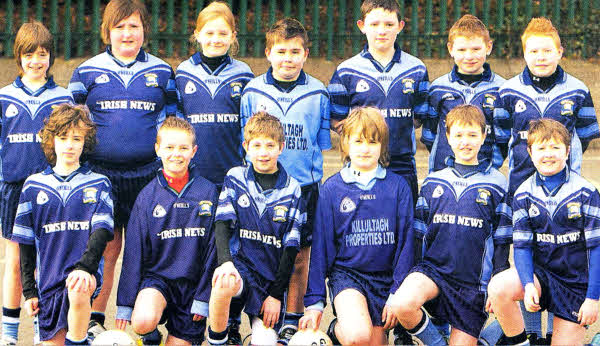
(208, 180)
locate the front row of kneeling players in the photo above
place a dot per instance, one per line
(381, 269)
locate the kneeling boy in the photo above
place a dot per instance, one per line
(258, 228)
(556, 223)
(457, 221)
(169, 252)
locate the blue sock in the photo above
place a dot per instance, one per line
(550, 326)
(98, 317)
(10, 323)
(69, 341)
(491, 334)
(533, 321)
(427, 332)
(443, 327)
(152, 338)
(215, 338)
(292, 318)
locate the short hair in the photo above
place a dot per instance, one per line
(388, 5)
(117, 10)
(30, 36)
(286, 29)
(468, 26)
(466, 115)
(370, 124)
(540, 27)
(543, 130)
(215, 10)
(177, 124)
(63, 118)
(263, 124)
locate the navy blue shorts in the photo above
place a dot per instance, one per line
(461, 306)
(179, 295)
(562, 300)
(126, 185)
(310, 194)
(9, 201)
(375, 287)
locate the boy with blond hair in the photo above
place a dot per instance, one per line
(471, 81)
(301, 103)
(258, 232)
(556, 222)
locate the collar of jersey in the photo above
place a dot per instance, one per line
(483, 167)
(271, 80)
(486, 77)
(83, 169)
(526, 77)
(165, 184)
(142, 57)
(197, 60)
(539, 181)
(349, 178)
(395, 59)
(279, 184)
(18, 83)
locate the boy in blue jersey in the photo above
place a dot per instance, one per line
(556, 222)
(301, 103)
(258, 232)
(462, 235)
(385, 77)
(24, 106)
(542, 90)
(471, 81)
(63, 223)
(365, 241)
(169, 254)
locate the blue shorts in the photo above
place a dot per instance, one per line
(9, 202)
(310, 194)
(126, 185)
(559, 298)
(179, 295)
(461, 306)
(375, 287)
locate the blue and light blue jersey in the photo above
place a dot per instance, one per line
(399, 90)
(265, 221)
(58, 215)
(561, 227)
(568, 101)
(210, 101)
(128, 102)
(23, 112)
(170, 236)
(367, 228)
(449, 91)
(303, 110)
(461, 218)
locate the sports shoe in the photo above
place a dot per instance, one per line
(94, 328)
(233, 336)
(141, 342)
(401, 337)
(285, 333)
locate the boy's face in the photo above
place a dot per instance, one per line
(381, 28)
(176, 150)
(542, 55)
(465, 141)
(364, 153)
(264, 152)
(35, 65)
(287, 58)
(127, 37)
(215, 37)
(469, 53)
(68, 147)
(549, 157)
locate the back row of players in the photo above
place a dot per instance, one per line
(130, 92)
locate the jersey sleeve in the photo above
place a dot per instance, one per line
(431, 120)
(297, 220)
(322, 253)
(502, 122)
(502, 223)
(78, 88)
(339, 97)
(421, 107)
(324, 135)
(23, 229)
(404, 257)
(420, 227)
(523, 241)
(245, 111)
(586, 124)
(103, 216)
(591, 214)
(226, 210)
(171, 96)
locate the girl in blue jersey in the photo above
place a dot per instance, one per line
(24, 105)
(63, 223)
(209, 86)
(129, 93)
(363, 238)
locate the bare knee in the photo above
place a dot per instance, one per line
(143, 323)
(497, 290)
(405, 305)
(354, 336)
